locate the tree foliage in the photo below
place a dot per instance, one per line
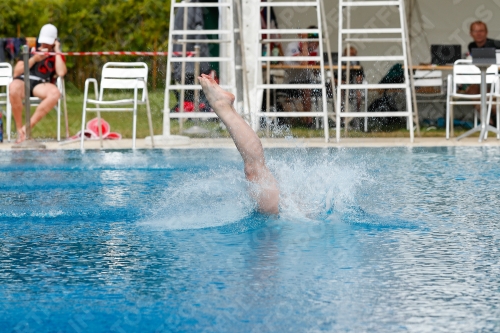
(93, 25)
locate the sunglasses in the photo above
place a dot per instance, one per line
(312, 35)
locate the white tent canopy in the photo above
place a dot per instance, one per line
(430, 22)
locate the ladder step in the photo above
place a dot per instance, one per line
(369, 3)
(373, 31)
(372, 58)
(285, 114)
(287, 40)
(289, 4)
(193, 87)
(110, 109)
(202, 41)
(373, 40)
(288, 31)
(376, 114)
(192, 115)
(290, 86)
(198, 32)
(372, 86)
(292, 58)
(199, 59)
(201, 4)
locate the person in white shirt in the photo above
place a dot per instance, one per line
(307, 46)
(356, 76)
(43, 69)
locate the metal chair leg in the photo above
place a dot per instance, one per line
(150, 120)
(99, 125)
(134, 127)
(82, 135)
(66, 125)
(58, 112)
(9, 116)
(498, 118)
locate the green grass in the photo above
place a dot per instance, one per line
(121, 122)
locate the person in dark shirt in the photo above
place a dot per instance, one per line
(479, 33)
(43, 70)
(356, 76)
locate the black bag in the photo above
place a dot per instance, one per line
(383, 104)
(386, 103)
(395, 74)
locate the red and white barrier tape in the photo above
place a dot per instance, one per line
(131, 53)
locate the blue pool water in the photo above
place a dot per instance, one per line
(378, 240)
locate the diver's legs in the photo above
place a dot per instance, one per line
(248, 144)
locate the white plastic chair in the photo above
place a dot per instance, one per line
(364, 96)
(35, 101)
(421, 78)
(119, 76)
(465, 73)
(432, 83)
(496, 95)
(5, 80)
(364, 108)
(429, 79)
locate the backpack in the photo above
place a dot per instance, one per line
(383, 104)
(395, 74)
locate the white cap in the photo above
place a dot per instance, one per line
(48, 34)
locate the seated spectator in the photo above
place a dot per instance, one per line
(306, 47)
(356, 76)
(479, 33)
(195, 21)
(269, 48)
(275, 47)
(43, 71)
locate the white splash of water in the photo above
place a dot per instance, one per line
(312, 186)
(202, 200)
(43, 213)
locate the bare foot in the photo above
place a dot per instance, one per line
(215, 94)
(21, 135)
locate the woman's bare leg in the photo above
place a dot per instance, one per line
(247, 143)
(16, 94)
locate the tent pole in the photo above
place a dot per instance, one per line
(410, 70)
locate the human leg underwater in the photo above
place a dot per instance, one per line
(248, 144)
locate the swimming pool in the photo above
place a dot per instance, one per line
(168, 241)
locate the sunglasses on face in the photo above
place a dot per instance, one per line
(312, 35)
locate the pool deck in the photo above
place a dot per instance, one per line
(271, 143)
